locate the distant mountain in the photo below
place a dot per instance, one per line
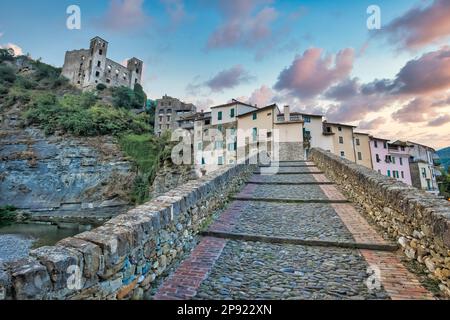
(444, 154)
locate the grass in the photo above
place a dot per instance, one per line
(147, 152)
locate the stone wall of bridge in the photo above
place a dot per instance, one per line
(420, 222)
(126, 256)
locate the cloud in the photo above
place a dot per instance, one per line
(228, 79)
(17, 50)
(312, 73)
(420, 26)
(343, 90)
(444, 119)
(262, 96)
(425, 77)
(245, 24)
(124, 15)
(175, 9)
(416, 110)
(372, 124)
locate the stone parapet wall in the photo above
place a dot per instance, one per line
(123, 258)
(420, 222)
(291, 151)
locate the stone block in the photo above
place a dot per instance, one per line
(30, 279)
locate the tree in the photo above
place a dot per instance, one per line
(6, 55)
(139, 95)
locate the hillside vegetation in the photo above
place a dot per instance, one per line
(46, 99)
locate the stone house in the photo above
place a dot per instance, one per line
(86, 68)
(171, 114)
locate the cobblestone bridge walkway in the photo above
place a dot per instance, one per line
(292, 235)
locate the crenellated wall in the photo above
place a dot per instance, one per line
(124, 257)
(420, 222)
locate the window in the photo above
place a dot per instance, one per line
(385, 144)
(169, 110)
(401, 161)
(168, 118)
(402, 148)
(233, 131)
(218, 145)
(108, 81)
(428, 184)
(389, 173)
(220, 161)
(137, 71)
(255, 134)
(100, 52)
(207, 122)
(232, 113)
(357, 142)
(375, 143)
(403, 175)
(424, 173)
(339, 128)
(359, 156)
(160, 118)
(393, 160)
(342, 154)
(255, 115)
(203, 160)
(99, 63)
(97, 74)
(231, 147)
(269, 134)
(219, 116)
(200, 146)
(341, 140)
(307, 119)
(378, 157)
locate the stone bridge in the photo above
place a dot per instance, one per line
(319, 229)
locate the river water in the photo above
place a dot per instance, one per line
(17, 240)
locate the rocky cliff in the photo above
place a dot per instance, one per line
(60, 177)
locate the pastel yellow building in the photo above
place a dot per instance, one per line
(362, 149)
(342, 137)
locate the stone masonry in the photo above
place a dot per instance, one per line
(420, 222)
(86, 68)
(123, 258)
(291, 235)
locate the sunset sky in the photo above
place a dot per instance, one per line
(317, 56)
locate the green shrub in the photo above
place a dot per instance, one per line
(25, 83)
(45, 71)
(7, 74)
(7, 214)
(3, 90)
(139, 95)
(101, 87)
(77, 115)
(124, 97)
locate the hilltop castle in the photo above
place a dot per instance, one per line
(86, 68)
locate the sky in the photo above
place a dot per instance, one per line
(316, 56)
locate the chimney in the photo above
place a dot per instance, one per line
(287, 114)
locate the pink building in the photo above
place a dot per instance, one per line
(391, 159)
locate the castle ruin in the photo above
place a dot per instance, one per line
(86, 68)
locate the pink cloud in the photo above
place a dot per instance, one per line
(440, 121)
(228, 79)
(312, 73)
(262, 96)
(372, 124)
(17, 50)
(124, 15)
(418, 110)
(420, 26)
(242, 26)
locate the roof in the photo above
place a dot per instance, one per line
(362, 133)
(339, 124)
(400, 143)
(381, 139)
(422, 145)
(261, 109)
(302, 114)
(233, 103)
(97, 37)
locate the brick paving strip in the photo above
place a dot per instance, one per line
(396, 280)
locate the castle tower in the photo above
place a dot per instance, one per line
(97, 63)
(135, 65)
